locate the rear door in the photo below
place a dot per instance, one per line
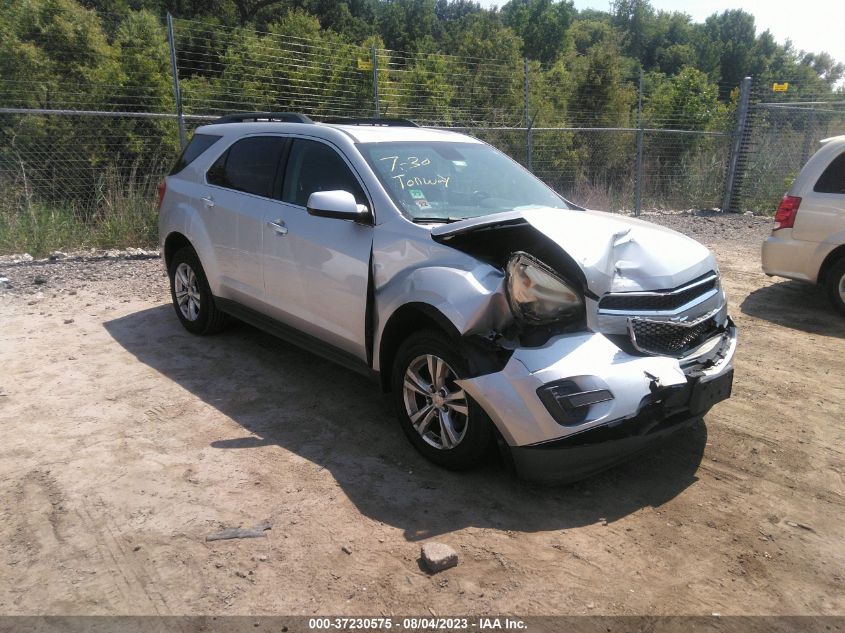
(316, 269)
(821, 213)
(241, 186)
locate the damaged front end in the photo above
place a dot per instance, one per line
(612, 332)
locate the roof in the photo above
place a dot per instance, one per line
(834, 139)
(358, 133)
(378, 134)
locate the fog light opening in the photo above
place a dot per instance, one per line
(568, 403)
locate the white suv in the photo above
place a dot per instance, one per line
(810, 245)
(495, 311)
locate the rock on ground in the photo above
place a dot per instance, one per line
(439, 556)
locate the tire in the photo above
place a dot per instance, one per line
(835, 285)
(454, 432)
(197, 311)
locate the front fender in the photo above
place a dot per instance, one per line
(466, 291)
(473, 300)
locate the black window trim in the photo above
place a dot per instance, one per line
(277, 177)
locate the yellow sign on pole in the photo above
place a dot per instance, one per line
(364, 64)
(780, 87)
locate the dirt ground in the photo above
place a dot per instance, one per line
(126, 441)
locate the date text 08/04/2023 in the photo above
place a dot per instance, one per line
(417, 624)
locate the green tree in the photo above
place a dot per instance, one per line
(687, 101)
(145, 85)
(404, 23)
(587, 33)
(56, 50)
(142, 52)
(55, 55)
(602, 97)
(828, 69)
(731, 33)
(603, 91)
(635, 20)
(542, 25)
(488, 81)
(422, 89)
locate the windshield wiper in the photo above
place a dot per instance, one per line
(426, 220)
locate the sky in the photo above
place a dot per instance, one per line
(812, 25)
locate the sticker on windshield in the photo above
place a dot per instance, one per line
(423, 204)
(416, 194)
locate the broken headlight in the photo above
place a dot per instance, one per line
(537, 295)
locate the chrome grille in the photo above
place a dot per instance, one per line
(661, 300)
(670, 338)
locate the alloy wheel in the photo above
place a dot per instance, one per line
(842, 288)
(436, 405)
(186, 289)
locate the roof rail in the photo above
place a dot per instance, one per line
(374, 122)
(285, 117)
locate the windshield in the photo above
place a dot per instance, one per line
(444, 181)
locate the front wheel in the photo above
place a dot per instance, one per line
(437, 415)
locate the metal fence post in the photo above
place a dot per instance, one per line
(376, 104)
(734, 175)
(638, 177)
(177, 93)
(809, 129)
(527, 118)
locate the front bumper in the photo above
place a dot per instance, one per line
(653, 396)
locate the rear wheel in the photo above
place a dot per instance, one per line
(438, 416)
(192, 296)
(835, 285)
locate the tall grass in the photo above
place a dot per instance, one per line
(43, 228)
(118, 215)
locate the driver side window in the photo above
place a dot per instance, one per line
(314, 166)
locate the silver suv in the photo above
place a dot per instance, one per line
(495, 311)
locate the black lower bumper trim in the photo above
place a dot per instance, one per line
(592, 451)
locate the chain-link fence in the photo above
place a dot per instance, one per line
(786, 120)
(94, 145)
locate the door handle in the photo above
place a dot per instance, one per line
(278, 226)
(208, 201)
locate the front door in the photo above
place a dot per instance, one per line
(316, 269)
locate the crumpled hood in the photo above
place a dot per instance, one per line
(615, 253)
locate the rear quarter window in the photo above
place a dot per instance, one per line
(832, 179)
(197, 146)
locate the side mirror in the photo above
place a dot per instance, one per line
(340, 205)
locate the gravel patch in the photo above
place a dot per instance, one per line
(137, 273)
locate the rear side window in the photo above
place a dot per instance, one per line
(314, 166)
(197, 146)
(250, 165)
(833, 178)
